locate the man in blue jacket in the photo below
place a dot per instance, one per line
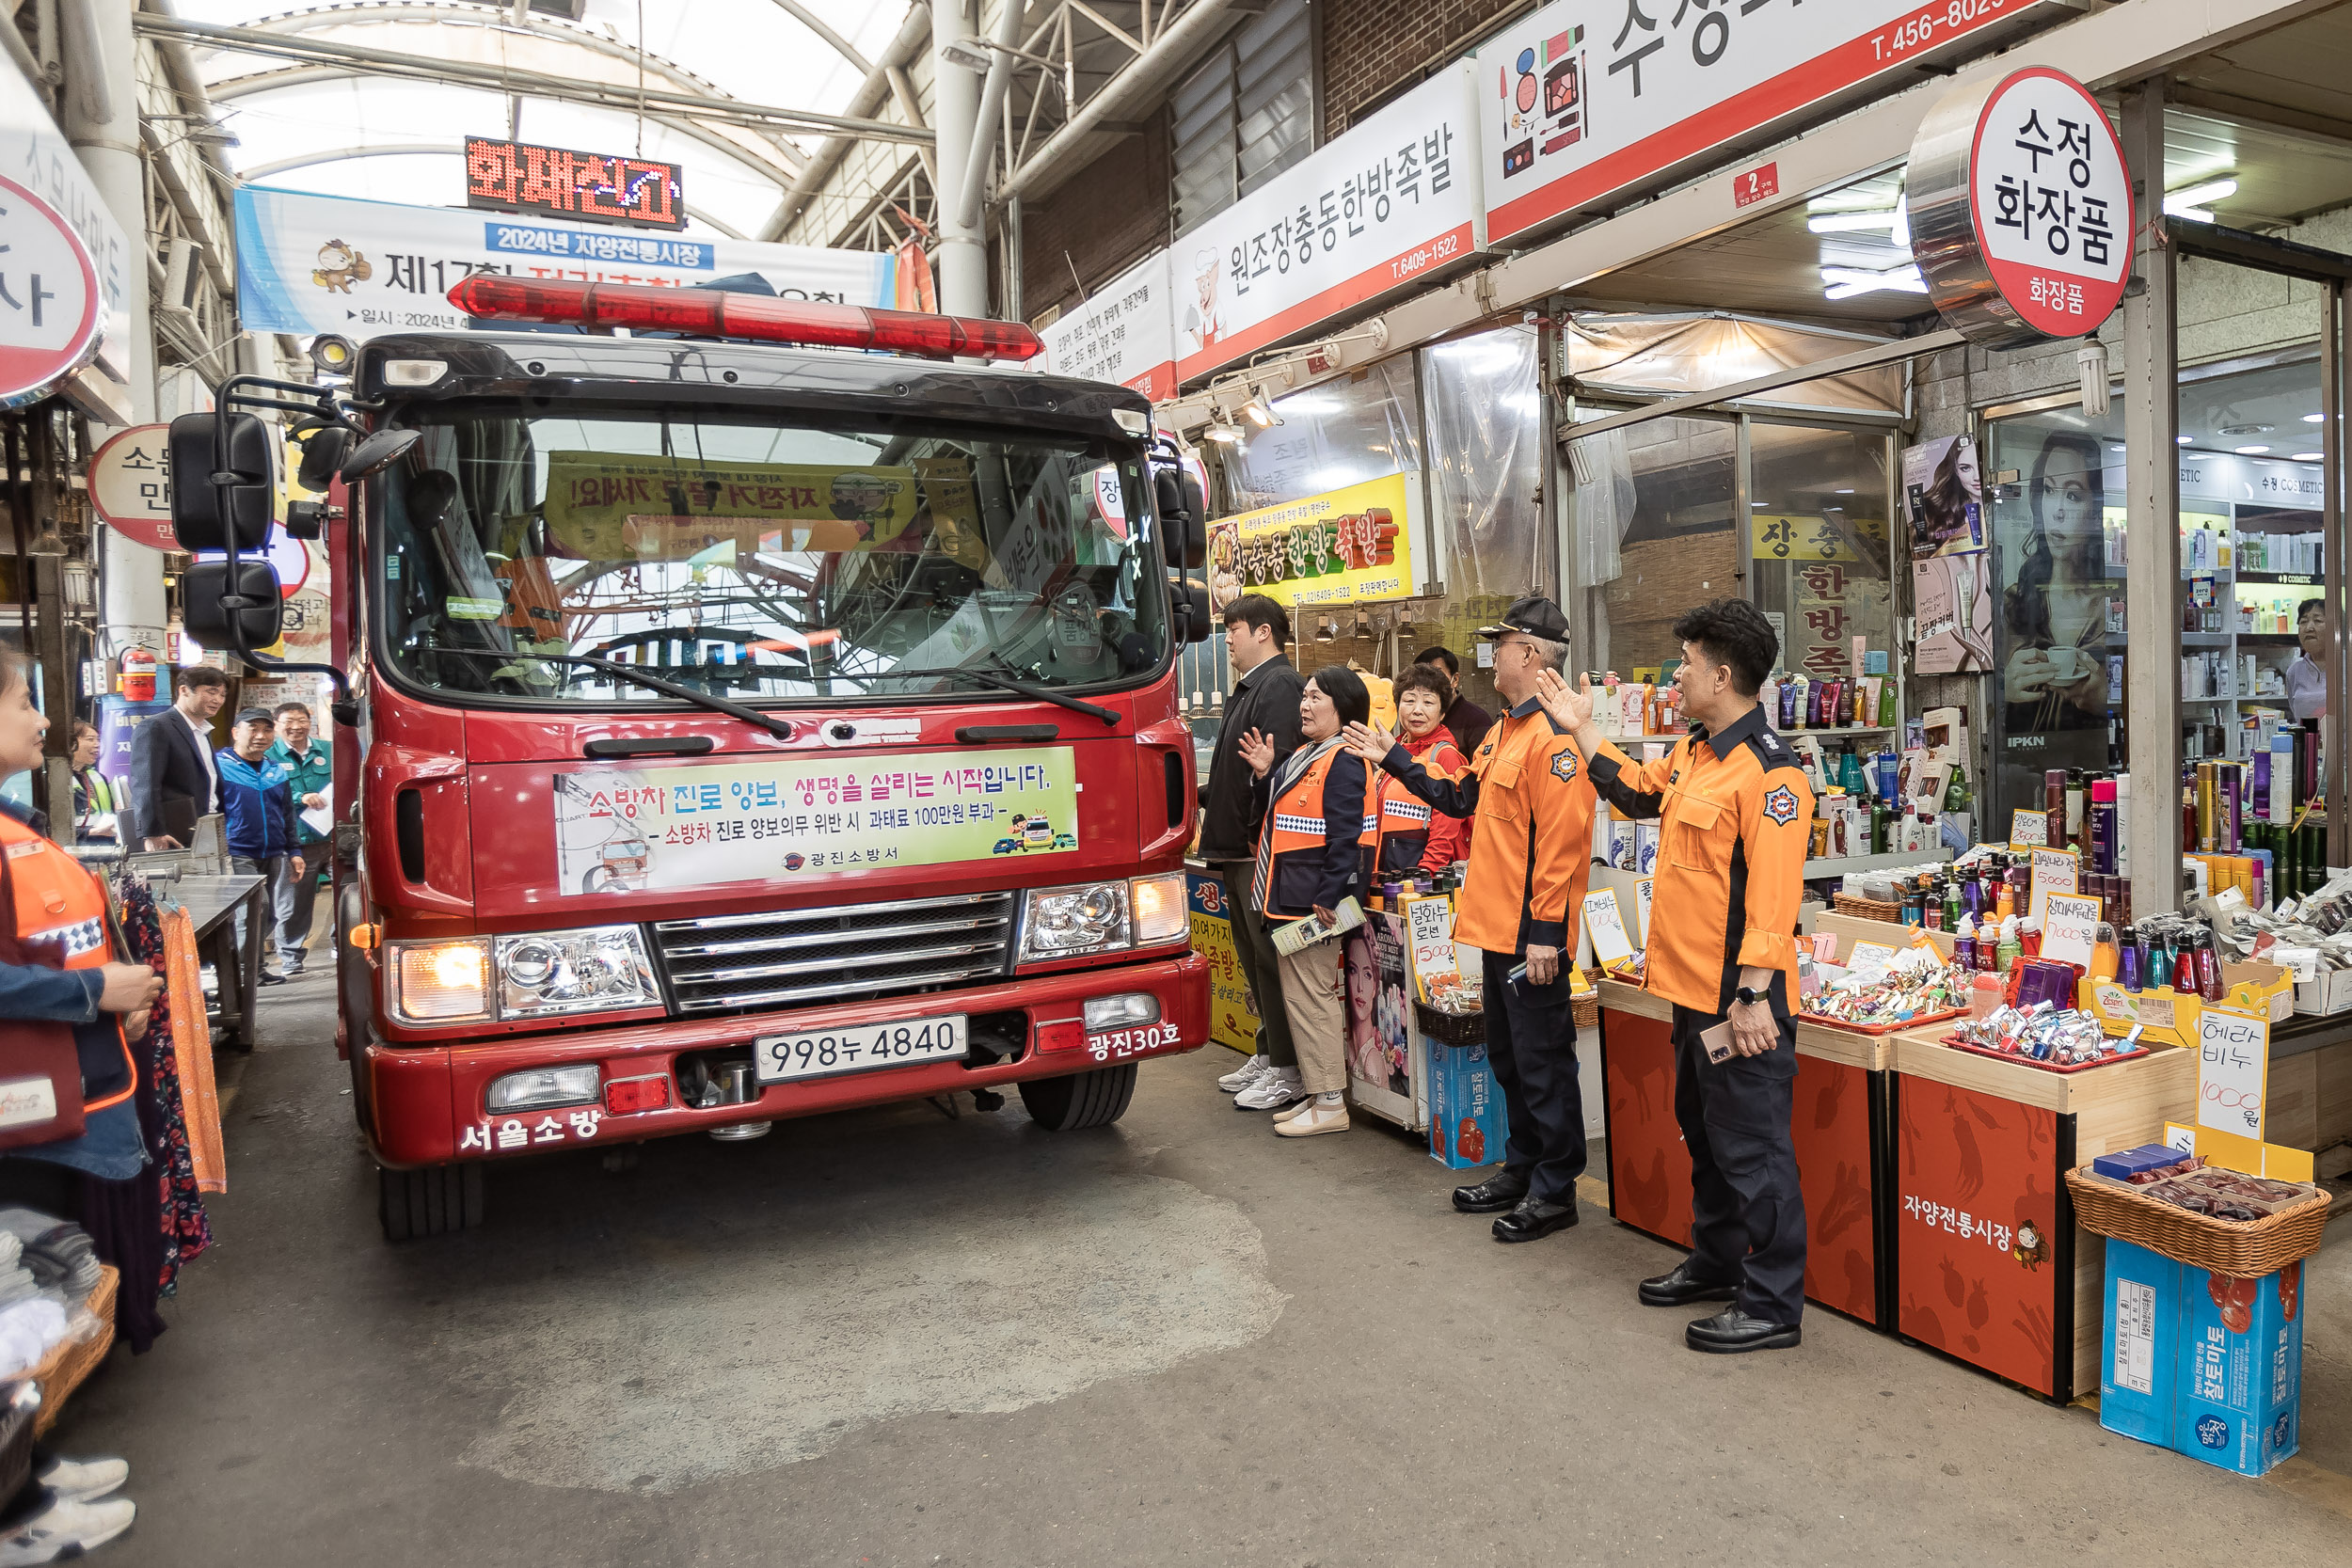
(258, 801)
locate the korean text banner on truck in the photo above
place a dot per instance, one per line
(324, 263)
(630, 830)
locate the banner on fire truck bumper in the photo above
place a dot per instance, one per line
(322, 264)
(632, 830)
(1388, 204)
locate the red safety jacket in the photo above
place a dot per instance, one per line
(61, 923)
(1405, 834)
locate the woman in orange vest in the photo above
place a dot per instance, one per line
(1311, 807)
(1403, 836)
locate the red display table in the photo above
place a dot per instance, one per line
(1839, 1125)
(1987, 1263)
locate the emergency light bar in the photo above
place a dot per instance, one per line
(754, 318)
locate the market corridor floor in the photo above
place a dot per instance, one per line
(888, 1338)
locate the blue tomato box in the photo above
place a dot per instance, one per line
(2205, 1364)
(1465, 1123)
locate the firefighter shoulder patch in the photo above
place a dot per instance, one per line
(1564, 765)
(1781, 806)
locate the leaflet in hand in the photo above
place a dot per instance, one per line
(1305, 933)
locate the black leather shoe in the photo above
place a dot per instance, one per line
(1535, 1219)
(1680, 1285)
(1731, 1332)
(1491, 1196)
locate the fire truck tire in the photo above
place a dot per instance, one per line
(437, 1201)
(1081, 1100)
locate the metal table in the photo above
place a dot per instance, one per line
(211, 903)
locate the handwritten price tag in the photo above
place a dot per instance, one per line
(2054, 871)
(1642, 892)
(1605, 924)
(1429, 926)
(2028, 830)
(2232, 1071)
(2070, 930)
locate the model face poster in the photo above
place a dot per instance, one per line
(1944, 493)
(2051, 630)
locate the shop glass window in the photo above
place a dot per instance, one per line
(1246, 114)
(2054, 486)
(1486, 461)
(1818, 543)
(1672, 488)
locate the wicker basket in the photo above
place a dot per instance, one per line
(2242, 1249)
(1449, 1028)
(1859, 908)
(1585, 1011)
(67, 1364)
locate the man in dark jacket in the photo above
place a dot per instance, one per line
(1465, 720)
(1264, 699)
(258, 801)
(171, 762)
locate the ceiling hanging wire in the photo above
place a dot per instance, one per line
(640, 78)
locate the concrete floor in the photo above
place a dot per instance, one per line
(887, 1337)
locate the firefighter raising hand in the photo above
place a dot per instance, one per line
(1572, 705)
(1257, 750)
(1368, 741)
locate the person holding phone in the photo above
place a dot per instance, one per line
(1734, 823)
(1530, 798)
(1311, 812)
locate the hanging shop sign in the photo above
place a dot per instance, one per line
(321, 263)
(556, 182)
(1388, 204)
(2021, 208)
(50, 304)
(1351, 545)
(65, 277)
(130, 485)
(1579, 104)
(1124, 333)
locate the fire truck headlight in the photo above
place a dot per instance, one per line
(440, 982)
(1161, 913)
(1064, 922)
(595, 968)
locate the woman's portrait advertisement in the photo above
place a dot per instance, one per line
(1945, 492)
(2052, 639)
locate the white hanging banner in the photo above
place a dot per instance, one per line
(1124, 332)
(310, 263)
(1382, 206)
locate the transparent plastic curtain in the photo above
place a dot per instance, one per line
(1663, 355)
(1364, 426)
(1487, 463)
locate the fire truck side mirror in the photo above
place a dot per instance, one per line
(203, 512)
(322, 454)
(376, 454)
(1184, 536)
(244, 617)
(1190, 603)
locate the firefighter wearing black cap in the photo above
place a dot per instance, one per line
(1734, 814)
(1531, 852)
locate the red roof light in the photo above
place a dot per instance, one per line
(756, 317)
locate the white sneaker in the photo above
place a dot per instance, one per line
(1244, 1075)
(1316, 1117)
(66, 1530)
(1280, 1086)
(80, 1480)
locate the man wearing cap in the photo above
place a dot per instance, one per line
(258, 802)
(1530, 855)
(1734, 821)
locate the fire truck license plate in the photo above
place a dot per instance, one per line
(859, 1049)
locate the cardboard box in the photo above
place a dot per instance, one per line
(2162, 1017)
(1466, 1121)
(2203, 1364)
(2332, 992)
(2264, 989)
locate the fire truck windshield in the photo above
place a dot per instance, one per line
(760, 561)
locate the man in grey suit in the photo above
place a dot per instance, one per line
(173, 781)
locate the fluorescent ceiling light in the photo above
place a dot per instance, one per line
(2248, 451)
(2315, 419)
(2181, 440)
(1308, 403)
(1895, 220)
(1846, 282)
(2194, 202)
(2307, 456)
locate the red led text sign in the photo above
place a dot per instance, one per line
(602, 187)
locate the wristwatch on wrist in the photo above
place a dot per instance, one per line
(1747, 995)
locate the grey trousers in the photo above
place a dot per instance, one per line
(293, 898)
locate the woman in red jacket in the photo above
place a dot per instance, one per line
(1401, 835)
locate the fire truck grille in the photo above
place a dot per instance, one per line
(732, 963)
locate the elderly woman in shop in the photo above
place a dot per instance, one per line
(1309, 808)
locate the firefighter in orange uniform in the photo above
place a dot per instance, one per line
(1735, 818)
(1530, 851)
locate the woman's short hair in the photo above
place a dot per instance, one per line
(1346, 691)
(1426, 677)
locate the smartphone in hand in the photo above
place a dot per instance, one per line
(1717, 1042)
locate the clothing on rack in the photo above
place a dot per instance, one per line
(180, 1219)
(192, 1049)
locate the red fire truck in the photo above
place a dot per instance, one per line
(738, 725)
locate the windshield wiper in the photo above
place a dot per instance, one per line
(992, 677)
(638, 677)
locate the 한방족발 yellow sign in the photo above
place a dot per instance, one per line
(1351, 545)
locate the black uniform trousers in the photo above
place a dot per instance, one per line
(1747, 1215)
(1531, 1044)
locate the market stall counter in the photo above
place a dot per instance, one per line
(1840, 1129)
(1986, 1262)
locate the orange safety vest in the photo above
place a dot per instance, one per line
(61, 918)
(1398, 829)
(1294, 822)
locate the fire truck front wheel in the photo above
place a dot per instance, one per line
(437, 1200)
(1094, 1099)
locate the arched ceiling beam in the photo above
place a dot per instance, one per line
(270, 81)
(816, 23)
(421, 149)
(385, 62)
